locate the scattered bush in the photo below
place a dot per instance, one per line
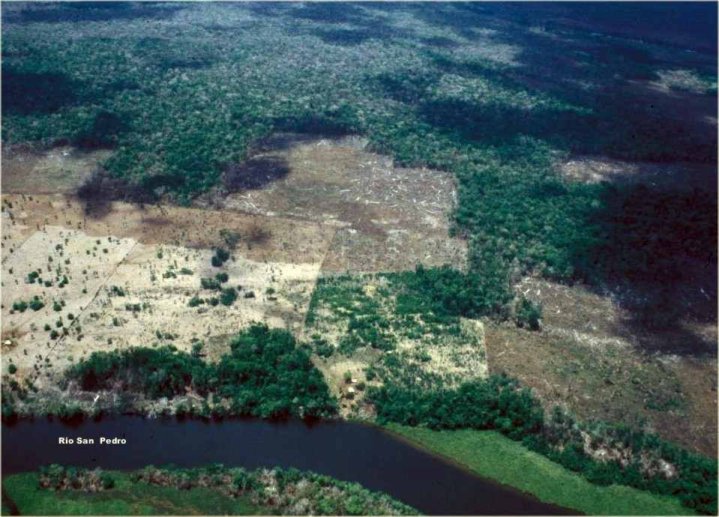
(20, 306)
(228, 296)
(528, 314)
(210, 283)
(220, 257)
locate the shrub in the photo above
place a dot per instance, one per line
(528, 314)
(220, 257)
(36, 303)
(20, 306)
(210, 283)
(228, 296)
(230, 237)
(117, 291)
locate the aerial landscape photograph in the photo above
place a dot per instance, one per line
(358, 258)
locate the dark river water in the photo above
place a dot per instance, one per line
(347, 451)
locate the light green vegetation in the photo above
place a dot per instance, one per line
(496, 457)
(126, 498)
(406, 327)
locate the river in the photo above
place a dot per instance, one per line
(346, 451)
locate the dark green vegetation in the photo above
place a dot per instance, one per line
(35, 304)
(504, 94)
(213, 490)
(220, 257)
(393, 323)
(127, 497)
(493, 456)
(227, 295)
(264, 375)
(500, 404)
(427, 302)
(528, 314)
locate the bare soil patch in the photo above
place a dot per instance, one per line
(388, 218)
(260, 237)
(57, 170)
(595, 169)
(585, 360)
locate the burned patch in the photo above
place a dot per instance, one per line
(255, 173)
(99, 191)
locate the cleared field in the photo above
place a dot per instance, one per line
(58, 169)
(492, 455)
(387, 218)
(106, 293)
(585, 358)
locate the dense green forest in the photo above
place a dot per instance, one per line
(183, 92)
(264, 375)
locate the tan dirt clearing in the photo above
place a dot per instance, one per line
(583, 359)
(388, 218)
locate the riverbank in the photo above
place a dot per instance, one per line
(210, 490)
(493, 456)
(350, 452)
(126, 498)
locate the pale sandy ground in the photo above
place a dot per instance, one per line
(138, 270)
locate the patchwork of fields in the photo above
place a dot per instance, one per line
(431, 206)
